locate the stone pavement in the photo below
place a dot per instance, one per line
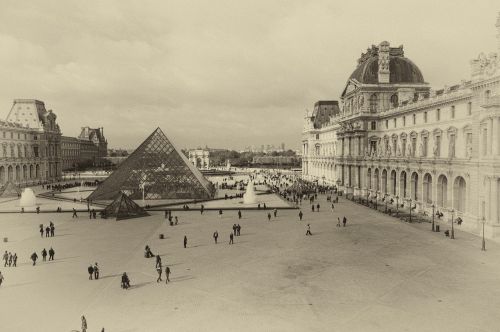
(376, 274)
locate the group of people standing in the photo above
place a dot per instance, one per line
(49, 230)
(9, 259)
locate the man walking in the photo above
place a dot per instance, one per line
(300, 215)
(338, 222)
(308, 229)
(41, 230)
(44, 254)
(238, 230)
(5, 258)
(96, 271)
(34, 257)
(269, 216)
(47, 231)
(1, 278)
(344, 220)
(202, 208)
(159, 270)
(14, 259)
(52, 229)
(84, 324)
(234, 229)
(158, 261)
(216, 235)
(275, 212)
(185, 241)
(90, 270)
(231, 238)
(239, 214)
(167, 275)
(51, 254)
(317, 207)
(74, 214)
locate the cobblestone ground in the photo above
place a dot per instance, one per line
(376, 274)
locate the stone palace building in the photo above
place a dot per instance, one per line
(394, 137)
(33, 150)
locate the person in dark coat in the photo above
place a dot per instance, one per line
(300, 215)
(312, 208)
(344, 220)
(275, 212)
(167, 274)
(6, 258)
(44, 254)
(125, 281)
(52, 229)
(238, 230)
(317, 207)
(41, 230)
(158, 261)
(308, 229)
(269, 216)
(159, 270)
(74, 214)
(90, 270)
(51, 254)
(14, 259)
(215, 236)
(96, 271)
(202, 208)
(185, 241)
(234, 229)
(239, 214)
(47, 231)
(34, 257)
(231, 238)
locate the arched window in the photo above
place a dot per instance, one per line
(384, 181)
(427, 188)
(459, 194)
(373, 102)
(402, 184)
(442, 191)
(393, 182)
(414, 186)
(369, 178)
(377, 182)
(394, 100)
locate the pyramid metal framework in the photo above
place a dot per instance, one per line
(124, 208)
(10, 190)
(155, 170)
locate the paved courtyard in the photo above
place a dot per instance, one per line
(376, 274)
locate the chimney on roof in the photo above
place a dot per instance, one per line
(383, 62)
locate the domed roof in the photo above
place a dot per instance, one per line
(402, 70)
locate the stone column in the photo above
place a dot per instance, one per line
(495, 139)
(494, 200)
(490, 135)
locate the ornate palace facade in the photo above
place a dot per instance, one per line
(395, 137)
(30, 144)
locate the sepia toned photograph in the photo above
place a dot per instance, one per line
(249, 166)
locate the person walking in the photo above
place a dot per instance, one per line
(317, 207)
(269, 216)
(125, 281)
(158, 261)
(231, 238)
(1, 278)
(34, 257)
(344, 221)
(41, 230)
(5, 258)
(312, 208)
(239, 214)
(51, 254)
(300, 215)
(44, 254)
(96, 271)
(167, 275)
(11, 257)
(308, 229)
(159, 270)
(74, 214)
(52, 229)
(47, 231)
(338, 222)
(84, 324)
(14, 260)
(202, 208)
(215, 236)
(333, 207)
(185, 241)
(238, 230)
(90, 270)
(275, 212)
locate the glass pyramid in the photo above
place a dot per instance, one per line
(157, 170)
(10, 190)
(124, 208)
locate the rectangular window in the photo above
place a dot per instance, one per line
(403, 146)
(452, 112)
(425, 117)
(438, 146)
(469, 108)
(395, 123)
(404, 121)
(438, 114)
(374, 125)
(35, 151)
(414, 118)
(386, 124)
(317, 136)
(425, 139)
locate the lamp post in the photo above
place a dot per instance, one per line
(483, 247)
(397, 205)
(433, 207)
(452, 229)
(410, 208)
(385, 198)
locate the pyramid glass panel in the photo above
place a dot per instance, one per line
(158, 170)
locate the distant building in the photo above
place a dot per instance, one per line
(30, 141)
(200, 158)
(90, 148)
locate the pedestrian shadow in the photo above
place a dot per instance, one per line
(110, 276)
(182, 278)
(141, 284)
(198, 245)
(58, 235)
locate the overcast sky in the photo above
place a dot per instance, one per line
(218, 73)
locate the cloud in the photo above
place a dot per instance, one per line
(223, 73)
